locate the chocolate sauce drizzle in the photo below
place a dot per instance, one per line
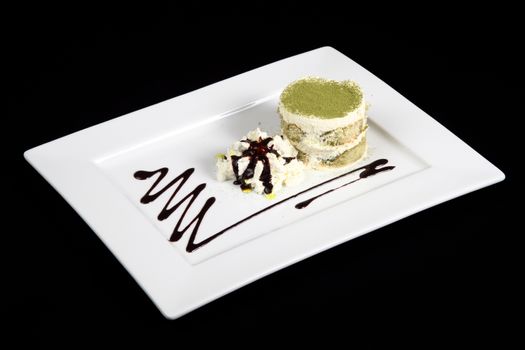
(367, 170)
(167, 210)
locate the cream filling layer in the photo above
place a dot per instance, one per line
(317, 163)
(317, 150)
(314, 125)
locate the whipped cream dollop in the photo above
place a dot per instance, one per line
(261, 163)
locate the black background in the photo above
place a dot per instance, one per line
(447, 271)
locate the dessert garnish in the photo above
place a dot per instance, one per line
(260, 163)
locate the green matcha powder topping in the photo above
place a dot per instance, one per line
(322, 98)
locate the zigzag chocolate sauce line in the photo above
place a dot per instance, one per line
(368, 170)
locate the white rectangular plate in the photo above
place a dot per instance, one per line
(93, 170)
